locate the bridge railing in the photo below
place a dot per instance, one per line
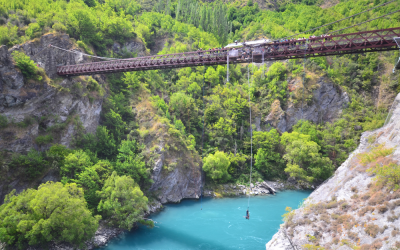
(344, 41)
(278, 50)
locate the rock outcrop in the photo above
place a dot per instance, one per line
(351, 209)
(33, 106)
(130, 48)
(326, 105)
(177, 172)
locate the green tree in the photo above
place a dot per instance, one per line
(304, 159)
(52, 213)
(130, 162)
(33, 30)
(33, 163)
(115, 125)
(74, 164)
(106, 147)
(25, 64)
(122, 202)
(56, 155)
(216, 166)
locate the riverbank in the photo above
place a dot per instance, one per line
(260, 188)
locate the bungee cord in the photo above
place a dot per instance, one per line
(251, 132)
(202, 141)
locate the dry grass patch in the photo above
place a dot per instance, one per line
(374, 246)
(377, 198)
(365, 210)
(372, 230)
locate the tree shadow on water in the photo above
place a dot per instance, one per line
(188, 241)
(190, 202)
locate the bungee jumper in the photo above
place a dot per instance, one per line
(247, 215)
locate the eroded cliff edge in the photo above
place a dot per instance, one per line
(351, 209)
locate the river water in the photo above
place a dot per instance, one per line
(220, 225)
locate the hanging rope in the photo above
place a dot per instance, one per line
(227, 68)
(202, 140)
(251, 134)
(263, 74)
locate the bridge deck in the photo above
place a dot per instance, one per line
(361, 42)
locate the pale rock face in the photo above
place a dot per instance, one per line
(130, 47)
(340, 185)
(180, 183)
(328, 103)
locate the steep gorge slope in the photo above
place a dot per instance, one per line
(352, 208)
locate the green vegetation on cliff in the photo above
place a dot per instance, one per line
(115, 163)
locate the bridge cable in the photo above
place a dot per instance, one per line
(202, 140)
(337, 21)
(81, 53)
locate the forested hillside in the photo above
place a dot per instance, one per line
(192, 116)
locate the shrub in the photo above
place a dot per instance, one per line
(332, 204)
(372, 230)
(3, 121)
(83, 45)
(92, 84)
(43, 139)
(375, 153)
(366, 197)
(33, 30)
(59, 27)
(26, 122)
(25, 64)
(216, 166)
(382, 209)
(33, 162)
(8, 34)
(388, 175)
(377, 198)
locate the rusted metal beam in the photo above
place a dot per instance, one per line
(360, 42)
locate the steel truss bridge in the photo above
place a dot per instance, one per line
(360, 42)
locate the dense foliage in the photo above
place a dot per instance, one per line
(122, 201)
(52, 213)
(196, 106)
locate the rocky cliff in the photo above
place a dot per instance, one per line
(325, 105)
(177, 167)
(32, 106)
(56, 106)
(354, 207)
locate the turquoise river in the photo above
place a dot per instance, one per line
(220, 225)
